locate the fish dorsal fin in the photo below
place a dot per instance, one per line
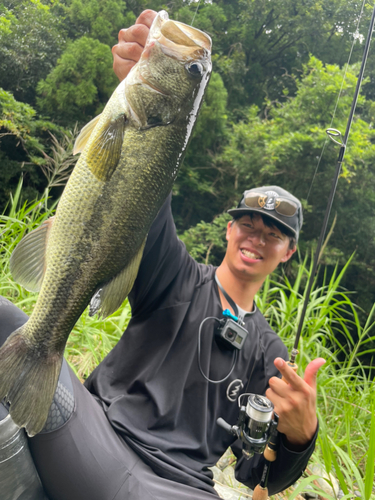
(84, 135)
(103, 154)
(110, 296)
(28, 260)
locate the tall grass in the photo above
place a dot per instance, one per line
(346, 397)
(332, 329)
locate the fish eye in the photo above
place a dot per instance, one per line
(195, 69)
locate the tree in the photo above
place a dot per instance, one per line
(81, 83)
(23, 139)
(258, 44)
(98, 19)
(195, 181)
(31, 40)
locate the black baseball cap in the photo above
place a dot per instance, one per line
(274, 202)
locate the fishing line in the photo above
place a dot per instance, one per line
(355, 36)
(342, 143)
(196, 10)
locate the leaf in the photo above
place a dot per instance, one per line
(370, 462)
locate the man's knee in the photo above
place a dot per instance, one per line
(11, 318)
(62, 405)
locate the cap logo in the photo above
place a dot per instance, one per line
(269, 202)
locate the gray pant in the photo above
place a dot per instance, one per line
(85, 459)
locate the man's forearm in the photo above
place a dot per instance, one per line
(287, 468)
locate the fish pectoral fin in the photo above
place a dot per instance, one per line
(84, 135)
(110, 296)
(28, 260)
(104, 152)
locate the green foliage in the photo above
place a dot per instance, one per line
(31, 40)
(283, 148)
(80, 84)
(262, 42)
(345, 387)
(212, 117)
(58, 167)
(269, 100)
(98, 19)
(21, 147)
(204, 239)
(287, 142)
(16, 117)
(195, 179)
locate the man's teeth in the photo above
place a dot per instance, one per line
(251, 255)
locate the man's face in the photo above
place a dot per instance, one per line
(254, 250)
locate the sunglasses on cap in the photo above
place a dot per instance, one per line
(282, 206)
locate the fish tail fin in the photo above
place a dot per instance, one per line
(28, 381)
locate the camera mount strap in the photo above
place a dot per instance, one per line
(238, 311)
(230, 301)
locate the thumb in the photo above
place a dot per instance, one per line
(311, 371)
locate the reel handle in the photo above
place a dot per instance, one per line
(224, 425)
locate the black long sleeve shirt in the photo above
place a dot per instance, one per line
(150, 385)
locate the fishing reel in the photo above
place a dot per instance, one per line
(255, 427)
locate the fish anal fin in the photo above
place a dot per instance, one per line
(111, 295)
(84, 135)
(28, 260)
(104, 151)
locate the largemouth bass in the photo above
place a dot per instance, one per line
(91, 249)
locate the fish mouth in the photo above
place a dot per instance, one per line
(179, 39)
(182, 34)
(176, 40)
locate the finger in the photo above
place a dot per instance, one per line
(122, 67)
(273, 395)
(146, 17)
(289, 374)
(137, 33)
(131, 44)
(312, 370)
(129, 51)
(278, 387)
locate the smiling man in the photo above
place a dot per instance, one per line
(263, 234)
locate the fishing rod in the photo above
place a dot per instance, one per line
(256, 426)
(335, 136)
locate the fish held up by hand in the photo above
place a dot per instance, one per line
(91, 250)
